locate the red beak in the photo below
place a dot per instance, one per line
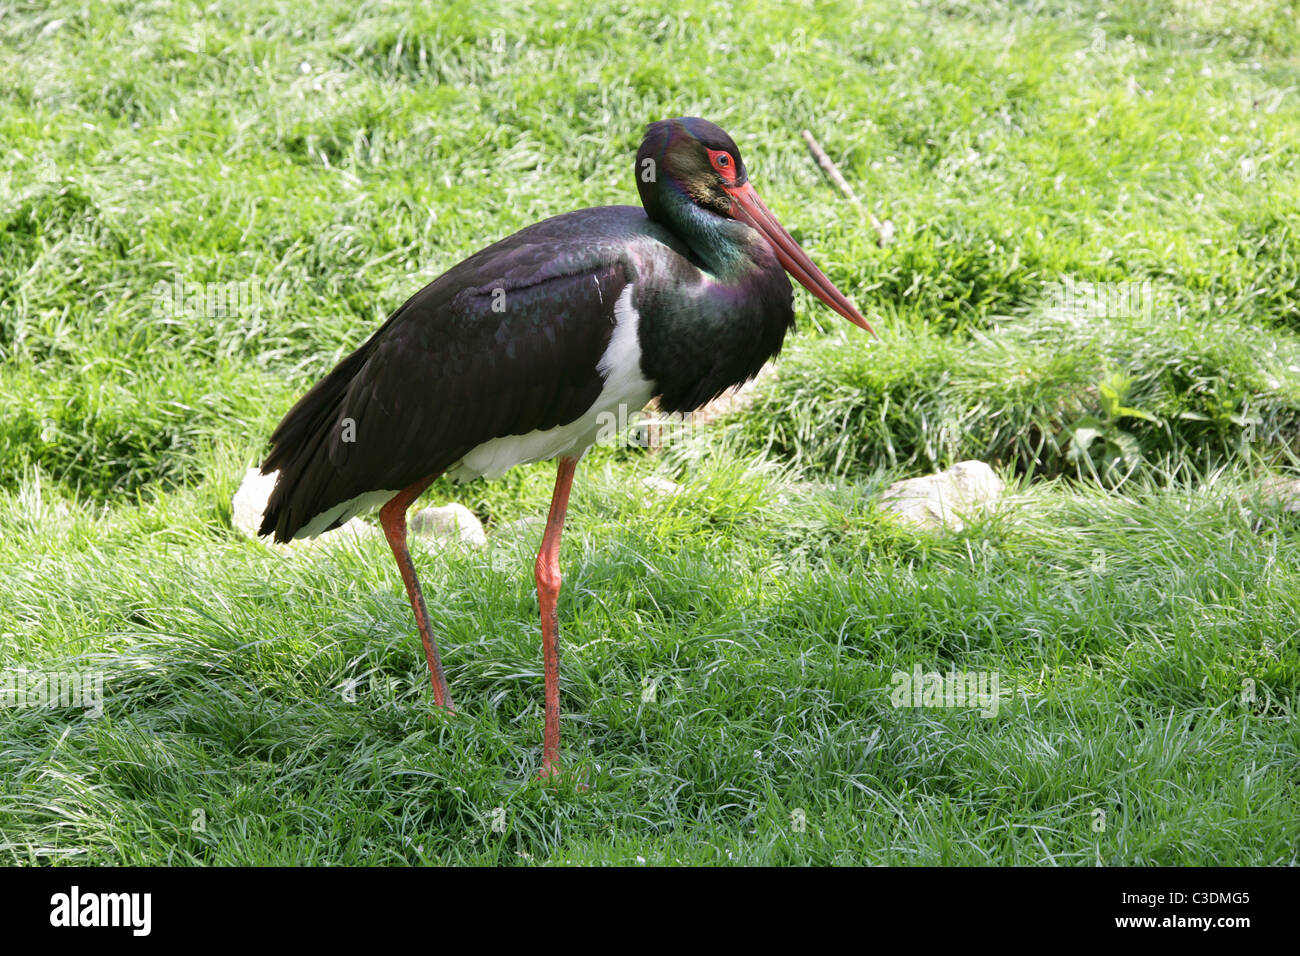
(749, 209)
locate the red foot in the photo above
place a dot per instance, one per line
(448, 708)
(552, 772)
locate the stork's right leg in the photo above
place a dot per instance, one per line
(393, 518)
(548, 592)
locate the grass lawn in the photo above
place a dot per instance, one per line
(728, 654)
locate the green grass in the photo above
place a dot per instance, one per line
(1049, 392)
(1136, 596)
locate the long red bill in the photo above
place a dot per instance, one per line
(749, 209)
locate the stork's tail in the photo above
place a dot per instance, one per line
(307, 481)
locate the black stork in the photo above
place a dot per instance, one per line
(513, 355)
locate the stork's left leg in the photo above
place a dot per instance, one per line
(548, 590)
(393, 518)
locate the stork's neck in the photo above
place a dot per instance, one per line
(725, 247)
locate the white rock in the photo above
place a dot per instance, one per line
(660, 486)
(1281, 492)
(936, 501)
(250, 501)
(451, 523)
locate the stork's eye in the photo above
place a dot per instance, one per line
(724, 163)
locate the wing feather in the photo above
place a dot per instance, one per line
(503, 344)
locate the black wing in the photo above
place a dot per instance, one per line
(502, 344)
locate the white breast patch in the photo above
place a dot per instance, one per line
(624, 385)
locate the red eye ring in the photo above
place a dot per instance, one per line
(723, 163)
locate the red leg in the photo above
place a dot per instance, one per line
(393, 517)
(548, 589)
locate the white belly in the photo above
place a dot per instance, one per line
(624, 386)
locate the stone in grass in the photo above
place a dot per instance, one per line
(451, 524)
(940, 500)
(1279, 491)
(660, 486)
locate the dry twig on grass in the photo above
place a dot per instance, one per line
(884, 230)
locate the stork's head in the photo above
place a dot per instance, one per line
(692, 159)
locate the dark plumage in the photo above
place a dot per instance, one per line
(446, 373)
